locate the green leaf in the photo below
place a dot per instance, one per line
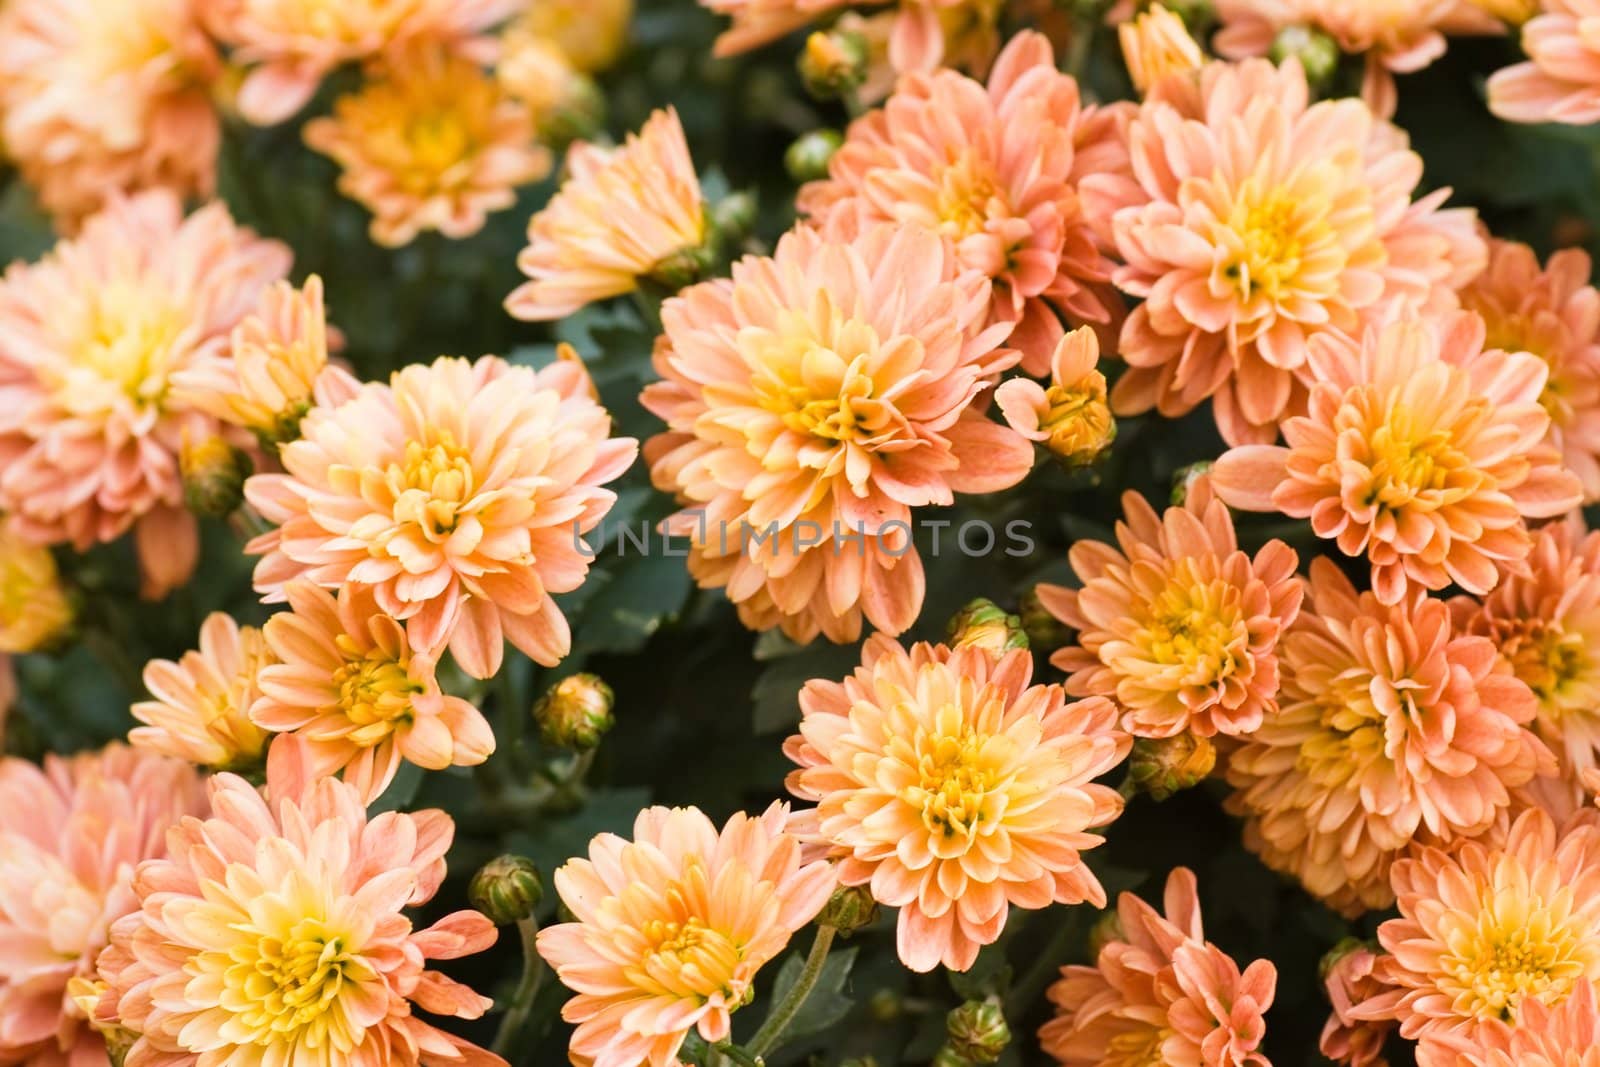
(827, 1003)
(776, 694)
(643, 592)
(402, 791)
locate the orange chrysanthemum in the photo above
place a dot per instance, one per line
(275, 933)
(352, 691)
(458, 493)
(71, 835)
(1350, 982)
(201, 710)
(1252, 221)
(620, 215)
(1156, 44)
(1555, 314)
(95, 100)
(955, 789)
(820, 394)
(1181, 627)
(994, 170)
(1485, 931)
(290, 45)
(1420, 451)
(430, 142)
(1568, 1036)
(1160, 993)
(1391, 726)
(91, 337)
(1561, 80)
(671, 928)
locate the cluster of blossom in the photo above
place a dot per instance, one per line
(1426, 395)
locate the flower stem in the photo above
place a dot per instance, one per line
(783, 1014)
(516, 1017)
(743, 1057)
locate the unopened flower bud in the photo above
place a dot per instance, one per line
(578, 115)
(1183, 481)
(1156, 45)
(683, 267)
(1163, 766)
(849, 909)
(1317, 52)
(1046, 633)
(575, 713)
(1106, 930)
(1079, 421)
(984, 624)
(86, 994)
(213, 476)
(1334, 955)
(733, 217)
(977, 1031)
(885, 1006)
(807, 158)
(506, 889)
(834, 63)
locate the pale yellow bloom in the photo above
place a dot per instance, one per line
(201, 710)
(34, 609)
(590, 33)
(1156, 44)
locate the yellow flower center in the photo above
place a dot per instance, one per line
(1195, 625)
(1269, 236)
(1413, 465)
(821, 386)
(1136, 1048)
(959, 774)
(375, 691)
(685, 957)
(1516, 946)
(1554, 662)
(1351, 735)
(282, 986)
(128, 341)
(969, 196)
(431, 485)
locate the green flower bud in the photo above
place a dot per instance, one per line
(578, 117)
(849, 909)
(1317, 52)
(1163, 766)
(507, 889)
(1046, 633)
(977, 1031)
(1106, 930)
(1183, 480)
(833, 63)
(984, 624)
(807, 158)
(733, 217)
(885, 1006)
(683, 267)
(213, 476)
(575, 713)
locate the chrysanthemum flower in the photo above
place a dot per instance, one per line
(274, 933)
(90, 338)
(1483, 931)
(1070, 417)
(1547, 626)
(1568, 1036)
(1252, 221)
(265, 380)
(994, 170)
(590, 33)
(1419, 451)
(1160, 993)
(1155, 44)
(1561, 80)
(96, 101)
(430, 142)
(1392, 726)
(201, 710)
(1555, 314)
(71, 835)
(955, 789)
(757, 22)
(352, 691)
(35, 611)
(457, 493)
(1349, 982)
(1396, 36)
(620, 214)
(1181, 627)
(827, 390)
(671, 927)
(290, 45)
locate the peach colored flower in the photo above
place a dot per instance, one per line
(90, 338)
(592, 34)
(620, 213)
(1071, 417)
(430, 142)
(1252, 221)
(1155, 44)
(265, 380)
(1396, 36)
(1392, 727)
(457, 493)
(1349, 983)
(1561, 80)
(71, 835)
(290, 45)
(201, 710)
(671, 928)
(1419, 451)
(955, 789)
(1547, 626)
(759, 22)
(35, 610)
(1159, 992)
(1568, 1036)
(827, 390)
(1555, 314)
(352, 691)
(1484, 931)
(1181, 627)
(995, 171)
(96, 100)
(274, 932)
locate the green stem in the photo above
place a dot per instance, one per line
(778, 1021)
(743, 1057)
(516, 1017)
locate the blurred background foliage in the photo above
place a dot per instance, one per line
(702, 705)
